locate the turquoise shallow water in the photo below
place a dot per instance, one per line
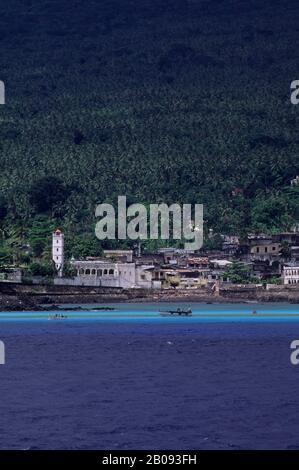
(150, 312)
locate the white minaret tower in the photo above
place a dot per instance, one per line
(58, 251)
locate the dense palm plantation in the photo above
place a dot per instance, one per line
(174, 101)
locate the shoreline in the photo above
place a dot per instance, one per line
(21, 297)
(23, 305)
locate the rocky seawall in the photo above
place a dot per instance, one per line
(37, 297)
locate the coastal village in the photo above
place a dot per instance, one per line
(261, 259)
(260, 267)
(257, 261)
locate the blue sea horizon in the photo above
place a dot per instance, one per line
(130, 379)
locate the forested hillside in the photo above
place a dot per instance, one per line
(159, 100)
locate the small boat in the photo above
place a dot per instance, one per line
(254, 312)
(57, 316)
(178, 312)
(99, 309)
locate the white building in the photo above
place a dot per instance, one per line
(107, 273)
(58, 251)
(117, 269)
(290, 275)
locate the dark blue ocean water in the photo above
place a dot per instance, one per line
(133, 380)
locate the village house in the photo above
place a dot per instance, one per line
(265, 269)
(295, 181)
(290, 245)
(183, 278)
(290, 275)
(119, 255)
(197, 262)
(290, 238)
(11, 274)
(217, 270)
(262, 253)
(294, 254)
(153, 259)
(230, 245)
(175, 256)
(263, 247)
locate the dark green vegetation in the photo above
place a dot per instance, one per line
(237, 273)
(173, 100)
